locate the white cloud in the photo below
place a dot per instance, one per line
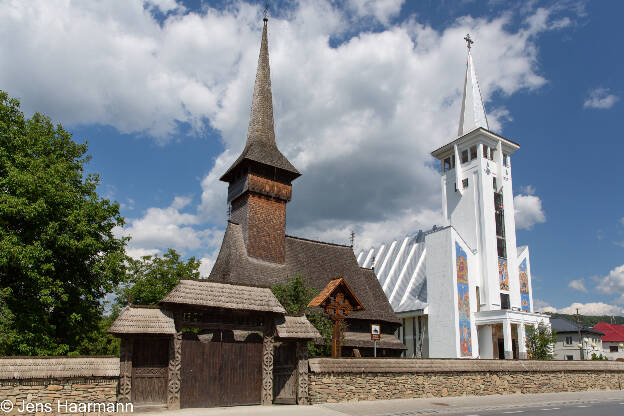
(577, 284)
(528, 211)
(382, 10)
(541, 306)
(613, 283)
(358, 119)
(600, 98)
(137, 253)
(592, 308)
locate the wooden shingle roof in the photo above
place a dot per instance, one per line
(296, 327)
(223, 295)
(12, 368)
(317, 262)
(143, 320)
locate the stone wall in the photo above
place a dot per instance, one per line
(337, 380)
(51, 385)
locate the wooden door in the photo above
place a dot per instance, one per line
(220, 374)
(285, 374)
(150, 362)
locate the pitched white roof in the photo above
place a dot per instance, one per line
(472, 113)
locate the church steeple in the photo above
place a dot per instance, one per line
(260, 179)
(472, 109)
(261, 146)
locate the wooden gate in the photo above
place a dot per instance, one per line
(220, 374)
(285, 374)
(150, 361)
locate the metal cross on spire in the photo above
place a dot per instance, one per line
(469, 41)
(266, 12)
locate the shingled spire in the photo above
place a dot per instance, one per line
(472, 110)
(260, 179)
(261, 146)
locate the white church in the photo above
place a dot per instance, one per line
(463, 290)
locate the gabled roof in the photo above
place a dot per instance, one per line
(296, 327)
(561, 325)
(316, 261)
(225, 296)
(143, 320)
(612, 333)
(261, 146)
(332, 287)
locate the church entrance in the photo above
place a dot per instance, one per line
(217, 373)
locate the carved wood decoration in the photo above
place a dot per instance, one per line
(125, 373)
(338, 301)
(267, 364)
(302, 373)
(175, 364)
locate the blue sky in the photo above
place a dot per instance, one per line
(363, 91)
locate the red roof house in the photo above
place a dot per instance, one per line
(612, 333)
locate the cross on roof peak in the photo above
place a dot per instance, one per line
(469, 41)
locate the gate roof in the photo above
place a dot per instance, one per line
(143, 320)
(222, 295)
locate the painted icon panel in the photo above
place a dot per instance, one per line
(463, 302)
(524, 286)
(503, 274)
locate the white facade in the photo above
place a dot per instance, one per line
(613, 350)
(468, 278)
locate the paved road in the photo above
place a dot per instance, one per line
(598, 403)
(549, 404)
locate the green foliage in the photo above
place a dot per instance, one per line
(58, 253)
(295, 297)
(539, 342)
(598, 357)
(590, 321)
(151, 278)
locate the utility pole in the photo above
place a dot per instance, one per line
(578, 327)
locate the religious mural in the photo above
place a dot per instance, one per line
(524, 286)
(503, 274)
(463, 302)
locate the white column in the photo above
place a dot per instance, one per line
(486, 349)
(522, 351)
(507, 339)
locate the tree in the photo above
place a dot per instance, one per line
(58, 253)
(539, 342)
(295, 297)
(151, 278)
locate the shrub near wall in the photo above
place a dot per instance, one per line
(337, 380)
(41, 380)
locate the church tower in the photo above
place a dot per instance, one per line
(260, 179)
(477, 198)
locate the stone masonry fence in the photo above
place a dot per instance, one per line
(348, 379)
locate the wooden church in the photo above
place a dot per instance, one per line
(226, 340)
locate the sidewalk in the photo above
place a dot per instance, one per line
(406, 407)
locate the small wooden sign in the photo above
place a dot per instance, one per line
(375, 332)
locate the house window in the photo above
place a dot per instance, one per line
(464, 156)
(569, 357)
(465, 183)
(485, 151)
(473, 152)
(568, 340)
(478, 299)
(613, 348)
(505, 301)
(447, 164)
(505, 160)
(499, 217)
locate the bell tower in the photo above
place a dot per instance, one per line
(260, 179)
(477, 197)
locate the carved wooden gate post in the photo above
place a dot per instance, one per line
(125, 370)
(267, 363)
(175, 364)
(302, 373)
